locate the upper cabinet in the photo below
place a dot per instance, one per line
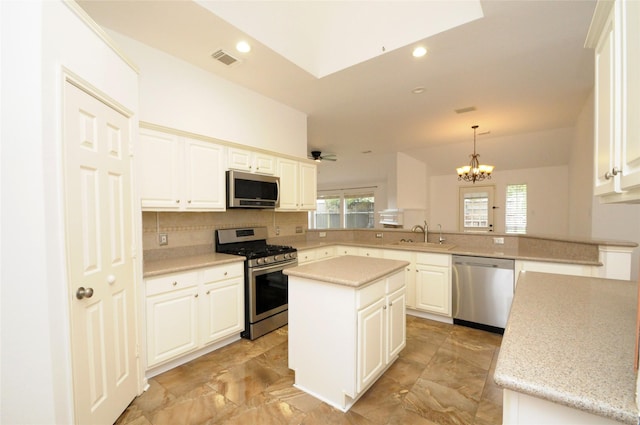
(250, 161)
(298, 185)
(615, 36)
(180, 174)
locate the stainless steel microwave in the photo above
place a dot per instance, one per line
(246, 190)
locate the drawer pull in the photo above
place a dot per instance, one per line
(175, 283)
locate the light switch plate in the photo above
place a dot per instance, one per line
(163, 239)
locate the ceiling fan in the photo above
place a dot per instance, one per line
(318, 157)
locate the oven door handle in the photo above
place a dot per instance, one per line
(273, 267)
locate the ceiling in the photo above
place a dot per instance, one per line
(520, 64)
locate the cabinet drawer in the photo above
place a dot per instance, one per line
(226, 271)
(396, 281)
(370, 294)
(433, 259)
(158, 285)
(306, 255)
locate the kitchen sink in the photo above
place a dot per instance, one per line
(430, 245)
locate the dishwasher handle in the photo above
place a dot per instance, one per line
(486, 262)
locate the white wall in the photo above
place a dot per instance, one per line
(581, 172)
(179, 95)
(547, 204)
(38, 39)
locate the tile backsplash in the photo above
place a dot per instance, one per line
(191, 229)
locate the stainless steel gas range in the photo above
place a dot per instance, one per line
(266, 286)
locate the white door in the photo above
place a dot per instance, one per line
(476, 209)
(99, 234)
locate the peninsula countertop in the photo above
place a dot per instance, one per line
(348, 270)
(570, 340)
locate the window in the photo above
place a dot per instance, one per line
(516, 209)
(327, 212)
(358, 211)
(343, 211)
(476, 209)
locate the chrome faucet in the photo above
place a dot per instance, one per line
(440, 239)
(424, 229)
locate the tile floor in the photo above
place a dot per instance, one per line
(443, 376)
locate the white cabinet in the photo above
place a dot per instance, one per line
(172, 316)
(395, 254)
(251, 161)
(222, 303)
(347, 250)
(316, 254)
(338, 358)
(298, 185)
(615, 36)
(178, 173)
(370, 252)
(186, 311)
(433, 283)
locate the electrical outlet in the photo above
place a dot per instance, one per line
(163, 239)
(498, 241)
(323, 234)
(278, 231)
(379, 235)
(298, 229)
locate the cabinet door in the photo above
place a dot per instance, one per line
(264, 164)
(410, 291)
(397, 323)
(222, 309)
(239, 159)
(308, 186)
(172, 324)
(205, 179)
(288, 173)
(433, 289)
(630, 149)
(606, 143)
(159, 159)
(371, 343)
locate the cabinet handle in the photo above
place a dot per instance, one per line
(614, 172)
(208, 292)
(225, 273)
(196, 295)
(189, 201)
(177, 201)
(390, 304)
(175, 283)
(384, 307)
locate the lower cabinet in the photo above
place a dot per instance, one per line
(396, 254)
(186, 311)
(433, 283)
(341, 338)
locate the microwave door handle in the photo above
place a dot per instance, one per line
(278, 190)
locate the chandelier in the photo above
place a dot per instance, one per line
(474, 171)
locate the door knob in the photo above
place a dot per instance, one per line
(84, 293)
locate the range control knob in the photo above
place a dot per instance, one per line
(260, 261)
(278, 258)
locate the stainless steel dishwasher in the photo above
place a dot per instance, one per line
(482, 292)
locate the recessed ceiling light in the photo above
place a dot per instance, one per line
(243, 47)
(419, 52)
(418, 90)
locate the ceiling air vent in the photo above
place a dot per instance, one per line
(225, 58)
(465, 110)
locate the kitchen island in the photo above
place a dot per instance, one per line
(346, 325)
(567, 354)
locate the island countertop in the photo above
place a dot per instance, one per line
(348, 270)
(570, 340)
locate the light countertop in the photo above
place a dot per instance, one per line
(348, 270)
(179, 264)
(571, 340)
